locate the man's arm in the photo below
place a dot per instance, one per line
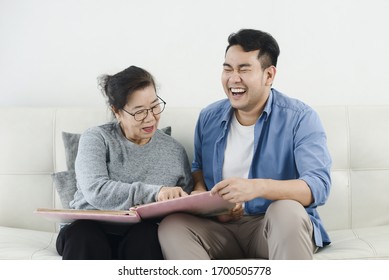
(237, 190)
(199, 184)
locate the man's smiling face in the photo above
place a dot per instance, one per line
(244, 81)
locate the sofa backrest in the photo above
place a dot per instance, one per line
(31, 149)
(358, 139)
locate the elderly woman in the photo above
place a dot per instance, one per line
(121, 164)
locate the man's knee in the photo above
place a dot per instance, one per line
(171, 225)
(287, 215)
(289, 231)
(286, 208)
(173, 220)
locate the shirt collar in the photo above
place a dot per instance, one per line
(227, 112)
(268, 105)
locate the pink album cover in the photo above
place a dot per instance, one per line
(203, 204)
(69, 215)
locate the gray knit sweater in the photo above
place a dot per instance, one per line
(114, 173)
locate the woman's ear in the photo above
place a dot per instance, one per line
(116, 113)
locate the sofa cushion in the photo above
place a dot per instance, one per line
(66, 185)
(70, 141)
(167, 130)
(24, 244)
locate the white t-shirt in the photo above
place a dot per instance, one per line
(239, 150)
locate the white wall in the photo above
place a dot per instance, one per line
(51, 51)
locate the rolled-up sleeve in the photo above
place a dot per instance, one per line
(313, 160)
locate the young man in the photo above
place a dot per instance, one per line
(262, 150)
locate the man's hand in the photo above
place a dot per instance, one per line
(170, 192)
(238, 190)
(235, 214)
(235, 190)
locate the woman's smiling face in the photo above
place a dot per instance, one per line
(139, 132)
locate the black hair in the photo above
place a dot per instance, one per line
(252, 40)
(117, 88)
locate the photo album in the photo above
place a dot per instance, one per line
(203, 204)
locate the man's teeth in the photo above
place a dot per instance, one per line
(237, 90)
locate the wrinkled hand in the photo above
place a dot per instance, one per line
(235, 214)
(170, 192)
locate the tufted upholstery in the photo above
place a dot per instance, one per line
(31, 149)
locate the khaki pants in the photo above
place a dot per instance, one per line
(284, 232)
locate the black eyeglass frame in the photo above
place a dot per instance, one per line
(147, 110)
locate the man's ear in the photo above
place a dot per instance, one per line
(270, 74)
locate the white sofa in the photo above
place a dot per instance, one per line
(31, 149)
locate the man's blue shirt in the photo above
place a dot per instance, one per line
(289, 143)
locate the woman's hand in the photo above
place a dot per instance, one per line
(235, 214)
(166, 193)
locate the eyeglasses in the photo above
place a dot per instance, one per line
(142, 114)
